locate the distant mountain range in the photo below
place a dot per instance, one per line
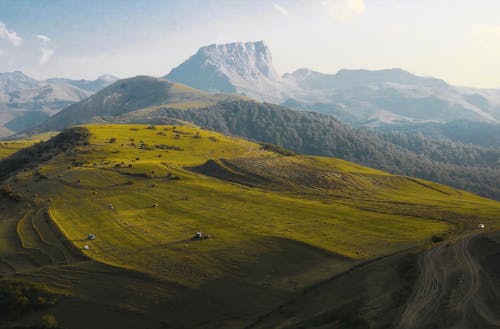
(429, 139)
(359, 97)
(25, 101)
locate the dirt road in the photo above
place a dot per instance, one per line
(453, 289)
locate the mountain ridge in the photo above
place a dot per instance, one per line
(360, 97)
(25, 101)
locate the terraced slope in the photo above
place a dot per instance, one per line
(277, 224)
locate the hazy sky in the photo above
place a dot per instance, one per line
(458, 41)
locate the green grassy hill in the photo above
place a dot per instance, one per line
(149, 100)
(277, 224)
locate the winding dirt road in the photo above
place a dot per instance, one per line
(451, 290)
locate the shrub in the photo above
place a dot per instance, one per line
(8, 192)
(436, 239)
(18, 297)
(168, 147)
(112, 140)
(49, 321)
(277, 149)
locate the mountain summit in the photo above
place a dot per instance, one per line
(359, 97)
(240, 67)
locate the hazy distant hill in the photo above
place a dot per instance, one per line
(151, 100)
(25, 102)
(359, 97)
(89, 85)
(466, 132)
(126, 96)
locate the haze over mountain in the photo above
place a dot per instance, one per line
(25, 101)
(359, 97)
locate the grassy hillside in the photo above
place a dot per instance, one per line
(151, 100)
(277, 224)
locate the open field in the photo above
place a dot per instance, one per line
(277, 225)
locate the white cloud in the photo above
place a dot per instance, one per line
(46, 55)
(344, 10)
(280, 9)
(44, 38)
(11, 36)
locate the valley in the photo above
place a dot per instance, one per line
(281, 226)
(320, 164)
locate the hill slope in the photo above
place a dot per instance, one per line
(153, 100)
(144, 191)
(126, 96)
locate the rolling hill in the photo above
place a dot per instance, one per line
(154, 100)
(275, 226)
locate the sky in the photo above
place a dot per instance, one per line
(458, 41)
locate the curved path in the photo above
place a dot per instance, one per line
(450, 290)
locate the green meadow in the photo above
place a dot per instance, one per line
(274, 224)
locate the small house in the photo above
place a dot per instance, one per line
(86, 247)
(91, 236)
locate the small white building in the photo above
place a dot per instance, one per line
(480, 226)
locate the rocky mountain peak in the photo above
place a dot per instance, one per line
(107, 78)
(14, 81)
(248, 59)
(239, 67)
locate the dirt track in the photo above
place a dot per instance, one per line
(453, 288)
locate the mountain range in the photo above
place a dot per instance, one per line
(359, 97)
(160, 205)
(449, 152)
(25, 101)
